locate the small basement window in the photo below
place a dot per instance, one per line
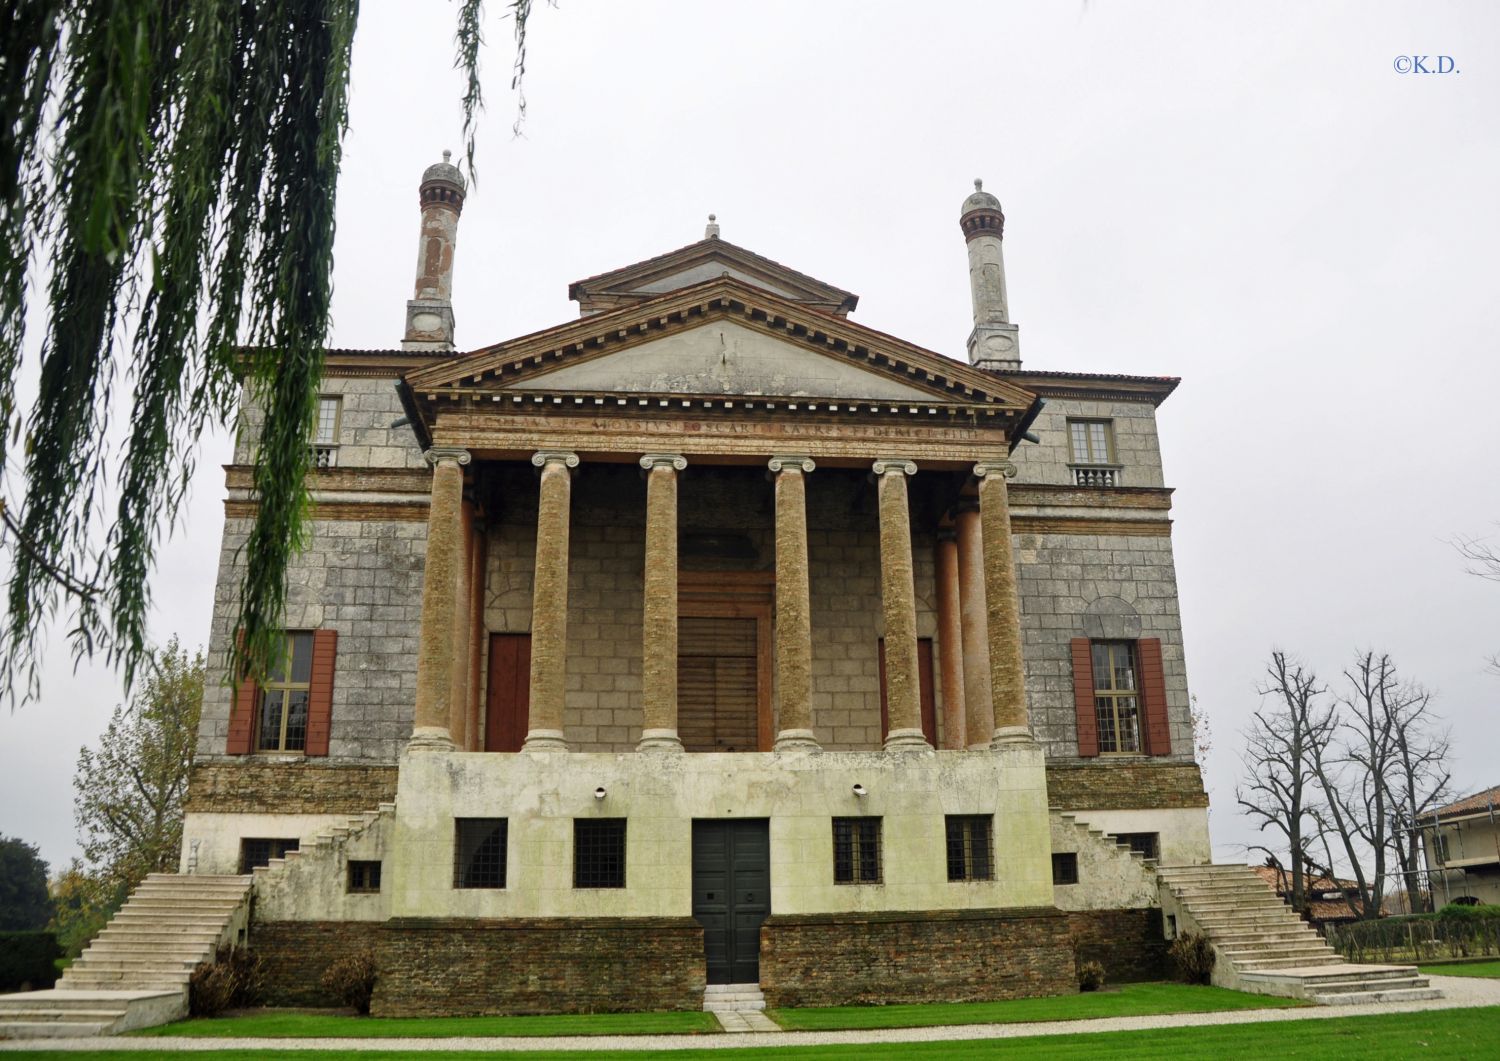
(856, 850)
(479, 848)
(599, 852)
(258, 851)
(1147, 845)
(970, 847)
(1065, 867)
(364, 877)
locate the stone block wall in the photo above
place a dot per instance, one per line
(952, 956)
(1127, 942)
(1136, 448)
(368, 407)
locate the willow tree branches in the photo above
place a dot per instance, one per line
(167, 187)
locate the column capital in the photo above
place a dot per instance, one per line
(890, 465)
(543, 457)
(440, 454)
(675, 461)
(785, 463)
(995, 466)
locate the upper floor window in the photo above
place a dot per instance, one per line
(1116, 697)
(326, 432)
(281, 725)
(1091, 452)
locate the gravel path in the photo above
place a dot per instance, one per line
(1458, 993)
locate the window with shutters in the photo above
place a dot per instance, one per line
(856, 850)
(1117, 703)
(281, 722)
(970, 847)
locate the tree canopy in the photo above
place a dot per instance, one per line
(24, 904)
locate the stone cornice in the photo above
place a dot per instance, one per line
(1064, 496)
(359, 511)
(344, 480)
(1088, 386)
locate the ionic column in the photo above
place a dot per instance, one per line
(898, 595)
(1007, 665)
(979, 710)
(793, 607)
(549, 603)
(439, 599)
(950, 641)
(659, 646)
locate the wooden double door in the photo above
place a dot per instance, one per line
(732, 895)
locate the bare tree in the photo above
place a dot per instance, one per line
(1285, 738)
(1484, 561)
(1418, 779)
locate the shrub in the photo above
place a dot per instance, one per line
(1192, 958)
(28, 960)
(1090, 976)
(233, 979)
(352, 979)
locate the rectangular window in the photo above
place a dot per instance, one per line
(479, 847)
(258, 851)
(599, 852)
(856, 850)
(1065, 867)
(282, 718)
(1147, 845)
(1117, 703)
(364, 877)
(326, 432)
(970, 847)
(1091, 441)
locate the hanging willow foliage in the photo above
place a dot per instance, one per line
(167, 168)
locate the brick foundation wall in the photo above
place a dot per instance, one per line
(248, 786)
(1128, 943)
(297, 953)
(462, 967)
(942, 956)
(1117, 785)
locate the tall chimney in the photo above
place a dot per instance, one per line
(994, 343)
(429, 314)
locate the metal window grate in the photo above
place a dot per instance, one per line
(479, 852)
(856, 850)
(970, 847)
(1065, 867)
(1147, 845)
(599, 853)
(258, 851)
(364, 876)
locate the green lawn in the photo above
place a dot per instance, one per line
(1130, 1000)
(278, 1025)
(1453, 1035)
(1486, 969)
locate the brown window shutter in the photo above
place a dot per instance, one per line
(1083, 697)
(320, 691)
(242, 713)
(1154, 697)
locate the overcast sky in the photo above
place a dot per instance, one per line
(1250, 197)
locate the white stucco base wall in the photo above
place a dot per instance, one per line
(217, 836)
(660, 795)
(1183, 832)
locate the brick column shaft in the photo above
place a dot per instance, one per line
(458, 670)
(549, 603)
(439, 600)
(478, 565)
(979, 710)
(1007, 664)
(659, 635)
(950, 642)
(898, 596)
(793, 607)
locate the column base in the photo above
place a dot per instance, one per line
(1012, 735)
(431, 739)
(660, 740)
(797, 740)
(545, 740)
(906, 740)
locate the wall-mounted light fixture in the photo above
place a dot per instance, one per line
(860, 791)
(599, 792)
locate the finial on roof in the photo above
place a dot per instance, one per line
(449, 154)
(978, 183)
(711, 230)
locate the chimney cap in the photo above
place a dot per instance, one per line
(444, 171)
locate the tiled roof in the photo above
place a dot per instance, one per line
(1470, 804)
(1274, 877)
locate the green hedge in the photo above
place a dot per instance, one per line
(28, 960)
(1453, 932)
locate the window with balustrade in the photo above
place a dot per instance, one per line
(1091, 453)
(325, 444)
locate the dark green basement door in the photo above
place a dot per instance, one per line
(731, 895)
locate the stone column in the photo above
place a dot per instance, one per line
(439, 599)
(898, 595)
(979, 710)
(793, 607)
(478, 565)
(659, 636)
(950, 641)
(1007, 665)
(458, 668)
(549, 603)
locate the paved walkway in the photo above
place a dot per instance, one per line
(1458, 992)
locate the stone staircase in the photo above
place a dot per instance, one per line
(1262, 946)
(285, 886)
(738, 1007)
(1118, 875)
(135, 973)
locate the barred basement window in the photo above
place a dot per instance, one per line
(856, 850)
(364, 877)
(258, 851)
(1147, 845)
(599, 852)
(479, 852)
(970, 847)
(1065, 867)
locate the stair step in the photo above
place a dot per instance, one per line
(54, 1029)
(1360, 998)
